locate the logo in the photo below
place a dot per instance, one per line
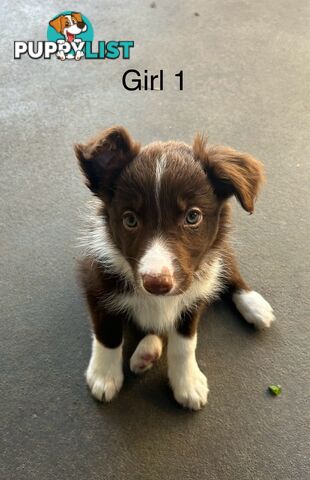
(70, 37)
(70, 28)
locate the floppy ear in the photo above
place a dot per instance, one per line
(57, 23)
(230, 172)
(104, 157)
(77, 16)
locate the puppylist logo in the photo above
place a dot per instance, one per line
(70, 37)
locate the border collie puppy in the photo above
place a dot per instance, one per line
(158, 252)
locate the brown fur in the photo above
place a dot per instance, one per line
(230, 172)
(97, 285)
(104, 157)
(188, 321)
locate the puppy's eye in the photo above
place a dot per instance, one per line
(193, 217)
(130, 220)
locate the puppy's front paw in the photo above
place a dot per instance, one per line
(104, 381)
(61, 56)
(146, 354)
(254, 308)
(104, 374)
(190, 389)
(79, 54)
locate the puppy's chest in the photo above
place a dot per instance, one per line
(160, 313)
(154, 313)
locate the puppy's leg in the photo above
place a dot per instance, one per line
(252, 306)
(61, 54)
(146, 354)
(104, 374)
(189, 384)
(78, 53)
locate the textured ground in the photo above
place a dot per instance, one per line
(246, 80)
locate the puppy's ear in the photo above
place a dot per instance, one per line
(57, 23)
(77, 16)
(104, 157)
(230, 172)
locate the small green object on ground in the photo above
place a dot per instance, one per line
(275, 389)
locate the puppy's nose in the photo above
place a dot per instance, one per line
(157, 284)
(81, 25)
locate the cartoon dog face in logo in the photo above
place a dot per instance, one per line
(69, 26)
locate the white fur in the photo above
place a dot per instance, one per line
(61, 56)
(156, 258)
(147, 352)
(97, 243)
(69, 18)
(79, 55)
(159, 313)
(189, 384)
(254, 308)
(104, 374)
(160, 168)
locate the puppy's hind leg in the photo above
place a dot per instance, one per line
(148, 351)
(252, 306)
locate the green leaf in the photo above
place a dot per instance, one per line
(275, 389)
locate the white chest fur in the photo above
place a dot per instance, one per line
(159, 313)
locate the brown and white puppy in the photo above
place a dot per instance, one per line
(158, 251)
(69, 26)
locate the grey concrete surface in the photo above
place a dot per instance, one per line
(246, 80)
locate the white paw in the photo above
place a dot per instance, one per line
(104, 374)
(254, 308)
(147, 352)
(61, 56)
(79, 55)
(104, 383)
(190, 388)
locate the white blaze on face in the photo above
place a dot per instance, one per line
(160, 168)
(157, 259)
(69, 18)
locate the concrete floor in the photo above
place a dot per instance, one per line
(246, 80)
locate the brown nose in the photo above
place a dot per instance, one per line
(157, 284)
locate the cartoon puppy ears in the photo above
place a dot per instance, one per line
(230, 172)
(77, 16)
(57, 23)
(103, 158)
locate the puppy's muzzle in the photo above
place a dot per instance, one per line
(157, 284)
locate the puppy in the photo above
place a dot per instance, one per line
(69, 26)
(158, 251)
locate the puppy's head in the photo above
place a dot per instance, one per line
(164, 203)
(69, 25)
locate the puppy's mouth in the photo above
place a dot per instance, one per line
(70, 37)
